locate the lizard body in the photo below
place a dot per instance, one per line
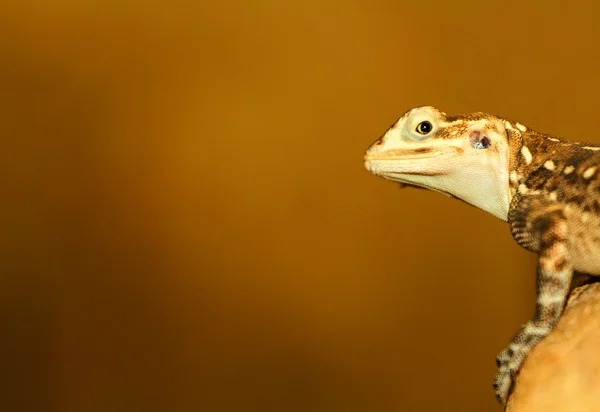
(546, 188)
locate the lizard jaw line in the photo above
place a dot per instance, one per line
(386, 164)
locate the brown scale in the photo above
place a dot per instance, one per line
(548, 216)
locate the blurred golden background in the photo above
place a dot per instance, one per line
(187, 224)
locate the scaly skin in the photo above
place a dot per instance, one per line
(547, 189)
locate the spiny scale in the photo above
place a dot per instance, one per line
(546, 188)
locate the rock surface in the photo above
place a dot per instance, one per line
(562, 373)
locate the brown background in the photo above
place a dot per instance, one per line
(186, 223)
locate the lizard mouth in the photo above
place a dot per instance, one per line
(422, 161)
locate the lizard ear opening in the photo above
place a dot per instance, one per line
(479, 140)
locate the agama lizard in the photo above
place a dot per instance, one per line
(546, 188)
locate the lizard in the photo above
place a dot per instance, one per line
(546, 188)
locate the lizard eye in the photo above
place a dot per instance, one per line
(424, 127)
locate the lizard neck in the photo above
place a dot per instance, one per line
(538, 161)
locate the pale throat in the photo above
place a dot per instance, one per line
(478, 178)
(483, 182)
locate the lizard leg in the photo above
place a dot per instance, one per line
(553, 283)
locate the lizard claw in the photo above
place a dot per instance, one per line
(510, 359)
(503, 382)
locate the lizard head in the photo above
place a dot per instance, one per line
(464, 156)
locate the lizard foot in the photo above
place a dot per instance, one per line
(510, 359)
